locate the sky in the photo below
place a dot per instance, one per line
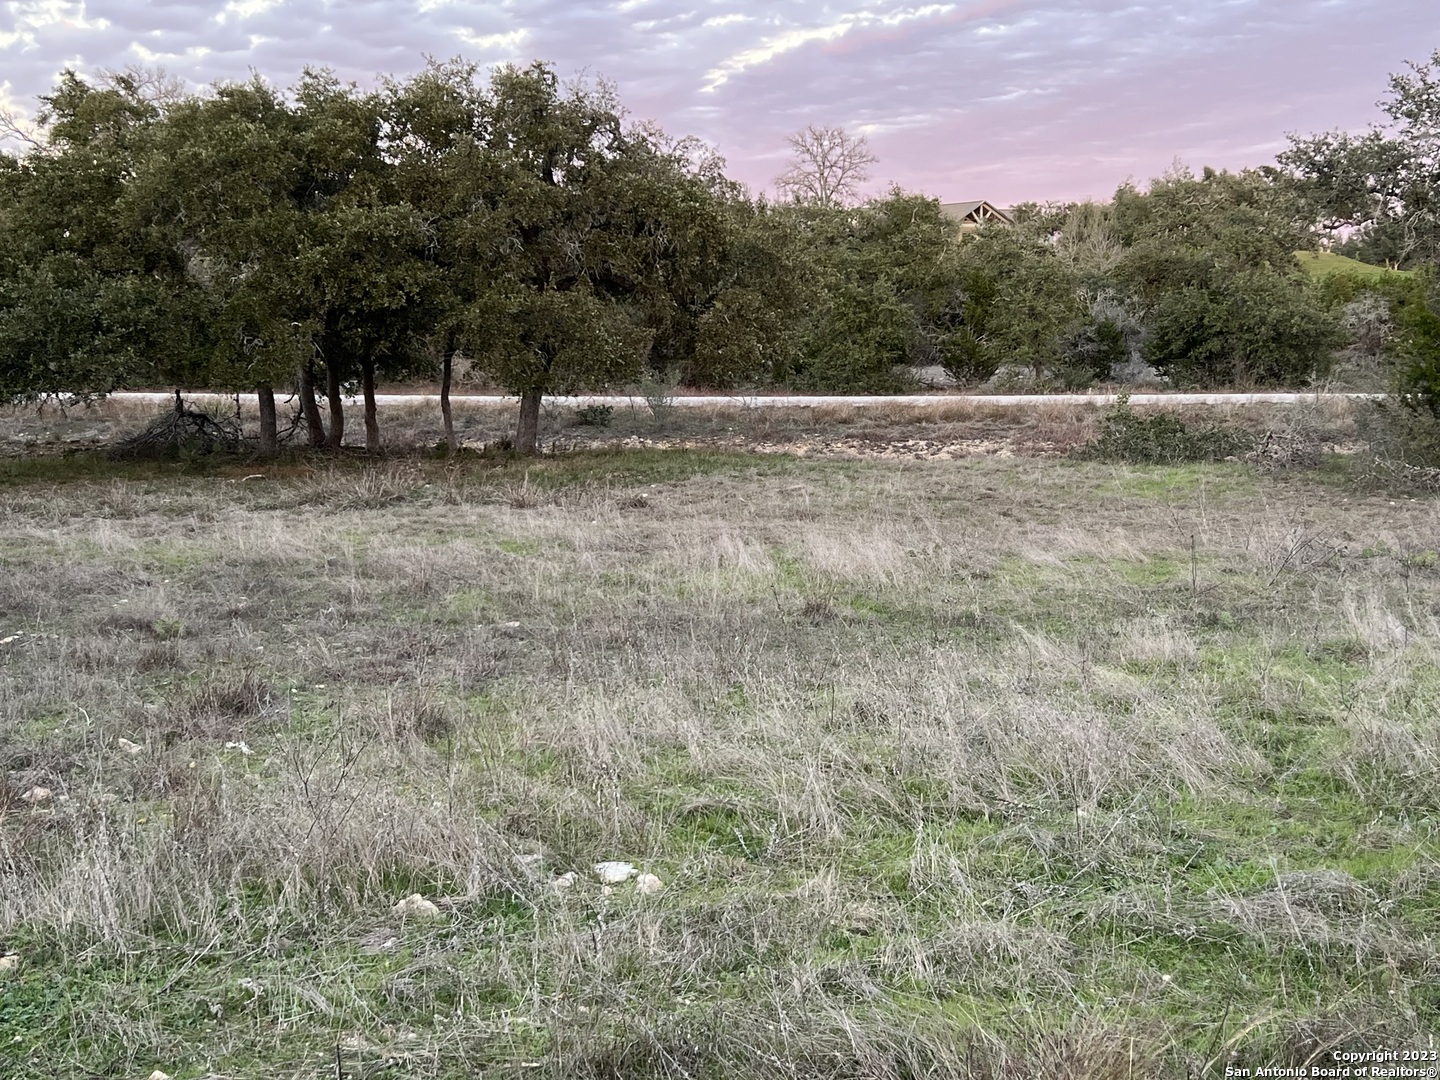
(1006, 100)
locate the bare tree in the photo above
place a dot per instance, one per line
(828, 166)
(153, 85)
(150, 84)
(16, 127)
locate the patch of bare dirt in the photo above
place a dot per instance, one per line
(836, 447)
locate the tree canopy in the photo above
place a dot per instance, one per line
(254, 237)
(321, 239)
(1384, 186)
(1384, 183)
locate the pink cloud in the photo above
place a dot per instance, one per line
(1006, 99)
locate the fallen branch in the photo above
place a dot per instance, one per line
(181, 432)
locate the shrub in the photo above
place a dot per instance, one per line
(1402, 445)
(1368, 323)
(1163, 439)
(1091, 352)
(1418, 348)
(1249, 328)
(594, 415)
(1016, 305)
(658, 390)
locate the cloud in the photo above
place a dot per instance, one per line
(33, 20)
(245, 9)
(727, 20)
(1007, 99)
(789, 40)
(508, 42)
(150, 58)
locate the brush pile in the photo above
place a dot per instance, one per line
(182, 432)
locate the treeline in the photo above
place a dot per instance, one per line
(320, 239)
(324, 238)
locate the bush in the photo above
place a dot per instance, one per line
(1402, 446)
(1417, 346)
(595, 415)
(1368, 323)
(1092, 351)
(1016, 305)
(856, 342)
(1163, 439)
(1258, 328)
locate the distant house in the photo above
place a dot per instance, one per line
(975, 213)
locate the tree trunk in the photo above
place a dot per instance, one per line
(308, 407)
(527, 434)
(447, 368)
(372, 424)
(336, 436)
(269, 437)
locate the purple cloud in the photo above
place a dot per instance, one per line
(1002, 99)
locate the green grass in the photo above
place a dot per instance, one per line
(1163, 482)
(950, 769)
(1324, 263)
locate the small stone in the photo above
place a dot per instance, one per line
(128, 746)
(37, 795)
(158, 1075)
(245, 750)
(415, 906)
(564, 881)
(613, 873)
(648, 885)
(9, 962)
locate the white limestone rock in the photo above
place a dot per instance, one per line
(564, 882)
(415, 906)
(615, 872)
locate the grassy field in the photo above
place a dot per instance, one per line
(1324, 263)
(995, 767)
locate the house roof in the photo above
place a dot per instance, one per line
(976, 211)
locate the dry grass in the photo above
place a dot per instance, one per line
(1002, 768)
(940, 431)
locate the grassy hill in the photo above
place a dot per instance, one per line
(1324, 263)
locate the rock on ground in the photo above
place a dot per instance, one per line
(614, 872)
(415, 906)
